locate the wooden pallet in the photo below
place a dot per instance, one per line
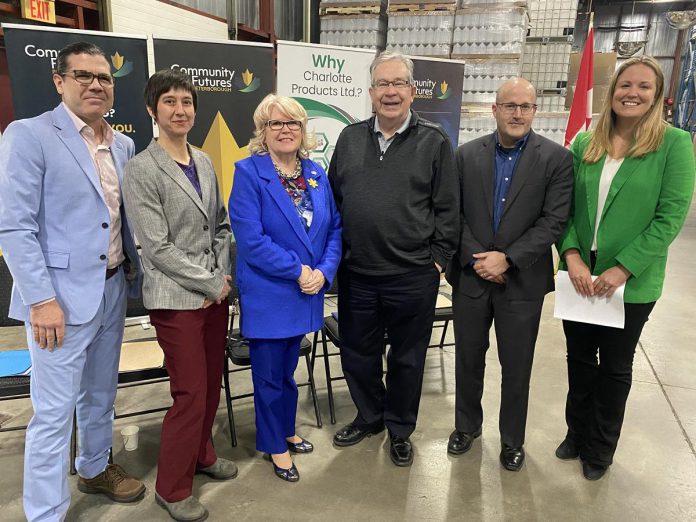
(396, 6)
(347, 8)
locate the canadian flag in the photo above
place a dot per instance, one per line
(581, 110)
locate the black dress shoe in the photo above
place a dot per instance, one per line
(512, 458)
(352, 434)
(460, 442)
(593, 471)
(289, 475)
(400, 450)
(301, 447)
(567, 450)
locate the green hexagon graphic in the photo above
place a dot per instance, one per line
(321, 161)
(329, 153)
(322, 142)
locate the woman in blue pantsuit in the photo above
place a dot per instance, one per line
(288, 235)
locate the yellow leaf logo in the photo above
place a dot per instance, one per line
(117, 60)
(444, 86)
(247, 77)
(312, 183)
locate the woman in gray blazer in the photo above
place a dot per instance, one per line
(172, 197)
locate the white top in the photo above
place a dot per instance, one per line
(611, 167)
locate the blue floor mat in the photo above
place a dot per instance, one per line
(14, 362)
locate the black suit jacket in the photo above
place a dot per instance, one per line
(535, 214)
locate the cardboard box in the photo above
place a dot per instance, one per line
(604, 67)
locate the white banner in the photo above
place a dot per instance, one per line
(332, 85)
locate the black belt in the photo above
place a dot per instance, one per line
(111, 272)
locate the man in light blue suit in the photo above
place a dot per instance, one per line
(73, 261)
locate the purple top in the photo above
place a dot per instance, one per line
(192, 175)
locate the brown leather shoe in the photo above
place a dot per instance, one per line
(115, 483)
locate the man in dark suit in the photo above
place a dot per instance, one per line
(516, 189)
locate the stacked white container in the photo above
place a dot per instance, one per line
(421, 33)
(416, 31)
(547, 56)
(361, 24)
(489, 36)
(489, 31)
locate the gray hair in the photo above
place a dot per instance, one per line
(387, 56)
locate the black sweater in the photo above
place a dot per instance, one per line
(400, 212)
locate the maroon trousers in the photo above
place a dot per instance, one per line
(193, 342)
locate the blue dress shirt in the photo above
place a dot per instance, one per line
(506, 161)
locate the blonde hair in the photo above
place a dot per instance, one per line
(649, 131)
(289, 107)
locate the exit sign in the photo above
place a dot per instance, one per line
(39, 10)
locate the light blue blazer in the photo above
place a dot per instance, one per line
(272, 246)
(52, 211)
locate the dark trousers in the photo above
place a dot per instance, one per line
(273, 364)
(404, 306)
(516, 328)
(193, 342)
(598, 388)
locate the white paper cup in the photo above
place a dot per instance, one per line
(130, 437)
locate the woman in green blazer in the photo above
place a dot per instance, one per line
(634, 179)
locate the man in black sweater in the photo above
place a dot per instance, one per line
(395, 182)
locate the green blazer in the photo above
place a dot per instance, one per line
(645, 209)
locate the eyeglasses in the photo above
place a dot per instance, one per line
(87, 77)
(511, 108)
(277, 125)
(384, 84)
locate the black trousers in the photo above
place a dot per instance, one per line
(404, 307)
(516, 329)
(598, 387)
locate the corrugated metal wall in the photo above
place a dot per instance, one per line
(287, 15)
(633, 24)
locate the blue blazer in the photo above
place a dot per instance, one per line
(272, 246)
(51, 212)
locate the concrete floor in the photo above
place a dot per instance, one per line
(653, 477)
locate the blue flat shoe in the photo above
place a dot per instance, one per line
(289, 475)
(301, 447)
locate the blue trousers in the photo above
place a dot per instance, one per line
(79, 376)
(273, 363)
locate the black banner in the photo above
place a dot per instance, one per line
(231, 79)
(439, 86)
(31, 56)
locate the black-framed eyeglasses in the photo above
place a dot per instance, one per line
(511, 108)
(277, 125)
(384, 84)
(87, 77)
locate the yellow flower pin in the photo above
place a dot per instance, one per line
(313, 183)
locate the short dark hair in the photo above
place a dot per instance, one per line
(75, 48)
(162, 82)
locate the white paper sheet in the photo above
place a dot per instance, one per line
(594, 310)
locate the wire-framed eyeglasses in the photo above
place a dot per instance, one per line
(384, 84)
(511, 108)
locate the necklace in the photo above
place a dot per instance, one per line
(294, 175)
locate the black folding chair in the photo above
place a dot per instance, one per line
(237, 352)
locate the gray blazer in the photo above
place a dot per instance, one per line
(185, 239)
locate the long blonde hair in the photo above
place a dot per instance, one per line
(648, 132)
(288, 106)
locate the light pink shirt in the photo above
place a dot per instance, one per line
(106, 169)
